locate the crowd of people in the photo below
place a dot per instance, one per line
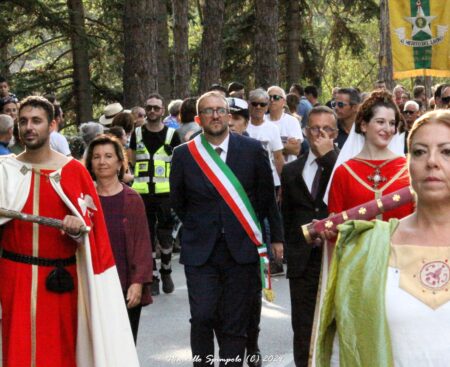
(227, 179)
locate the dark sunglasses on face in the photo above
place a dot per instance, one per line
(407, 112)
(445, 100)
(275, 97)
(259, 104)
(339, 104)
(155, 108)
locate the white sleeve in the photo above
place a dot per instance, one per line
(275, 138)
(294, 129)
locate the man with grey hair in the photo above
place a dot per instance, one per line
(291, 134)
(411, 111)
(174, 109)
(265, 131)
(6, 133)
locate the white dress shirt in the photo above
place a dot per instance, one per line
(310, 169)
(224, 147)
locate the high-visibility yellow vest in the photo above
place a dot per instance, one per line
(161, 164)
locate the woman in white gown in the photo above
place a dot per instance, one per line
(388, 292)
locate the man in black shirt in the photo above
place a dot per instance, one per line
(152, 145)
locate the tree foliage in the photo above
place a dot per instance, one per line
(336, 43)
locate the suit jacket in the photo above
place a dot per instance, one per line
(204, 213)
(298, 208)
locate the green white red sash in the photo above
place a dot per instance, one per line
(231, 190)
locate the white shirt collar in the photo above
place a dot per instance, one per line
(311, 159)
(223, 145)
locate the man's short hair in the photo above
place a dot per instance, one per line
(3, 80)
(298, 88)
(188, 110)
(6, 123)
(157, 96)
(318, 110)
(217, 87)
(174, 107)
(211, 94)
(282, 92)
(311, 89)
(352, 93)
(418, 90)
(258, 93)
(440, 88)
(38, 102)
(415, 104)
(235, 86)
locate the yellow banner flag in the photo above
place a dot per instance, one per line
(420, 37)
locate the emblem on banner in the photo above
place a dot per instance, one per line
(421, 23)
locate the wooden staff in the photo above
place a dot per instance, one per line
(46, 221)
(364, 211)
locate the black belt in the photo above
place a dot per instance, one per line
(40, 261)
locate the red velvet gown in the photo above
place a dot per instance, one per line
(39, 326)
(351, 186)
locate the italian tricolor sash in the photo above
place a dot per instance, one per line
(231, 190)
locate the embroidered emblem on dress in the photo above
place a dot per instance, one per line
(424, 272)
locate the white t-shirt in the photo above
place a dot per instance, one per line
(269, 136)
(59, 143)
(289, 128)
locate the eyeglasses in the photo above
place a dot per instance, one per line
(275, 97)
(143, 114)
(315, 130)
(445, 100)
(221, 111)
(339, 104)
(407, 112)
(259, 104)
(154, 108)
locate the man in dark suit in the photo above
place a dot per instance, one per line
(221, 261)
(303, 184)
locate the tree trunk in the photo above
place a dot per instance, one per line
(81, 74)
(385, 55)
(266, 43)
(162, 44)
(211, 53)
(293, 41)
(140, 69)
(180, 49)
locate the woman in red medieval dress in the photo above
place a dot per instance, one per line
(376, 170)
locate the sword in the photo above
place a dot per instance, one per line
(46, 221)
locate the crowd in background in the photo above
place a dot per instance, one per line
(289, 125)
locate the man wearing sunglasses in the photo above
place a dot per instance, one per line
(411, 112)
(265, 131)
(291, 134)
(151, 153)
(346, 106)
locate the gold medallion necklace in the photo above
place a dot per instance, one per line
(376, 178)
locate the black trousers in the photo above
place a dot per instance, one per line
(303, 302)
(221, 297)
(160, 223)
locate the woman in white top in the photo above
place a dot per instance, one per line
(388, 293)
